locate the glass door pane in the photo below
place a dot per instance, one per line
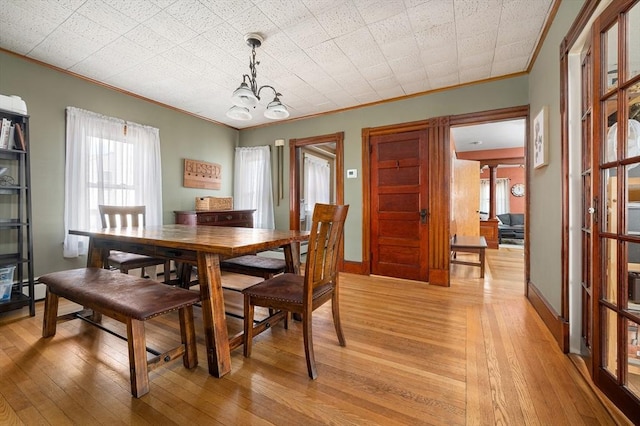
(610, 47)
(633, 42)
(610, 341)
(632, 381)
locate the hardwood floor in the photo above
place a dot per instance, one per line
(475, 353)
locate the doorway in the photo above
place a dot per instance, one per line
(316, 175)
(497, 192)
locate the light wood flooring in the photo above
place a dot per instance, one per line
(475, 353)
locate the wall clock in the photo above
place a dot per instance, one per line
(518, 190)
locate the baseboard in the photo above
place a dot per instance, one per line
(558, 327)
(354, 267)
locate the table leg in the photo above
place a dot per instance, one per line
(213, 316)
(96, 258)
(482, 263)
(292, 257)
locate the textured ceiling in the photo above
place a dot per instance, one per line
(322, 55)
(489, 136)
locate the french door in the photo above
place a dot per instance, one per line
(614, 296)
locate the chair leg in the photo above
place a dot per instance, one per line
(138, 372)
(248, 326)
(188, 335)
(50, 319)
(287, 318)
(335, 309)
(166, 272)
(308, 345)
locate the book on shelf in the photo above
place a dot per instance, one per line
(19, 137)
(5, 131)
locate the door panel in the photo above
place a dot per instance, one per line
(465, 198)
(587, 203)
(616, 158)
(398, 193)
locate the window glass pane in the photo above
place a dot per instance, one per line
(610, 341)
(610, 49)
(610, 270)
(611, 124)
(633, 41)
(633, 125)
(633, 199)
(586, 142)
(609, 217)
(611, 57)
(633, 279)
(586, 318)
(633, 358)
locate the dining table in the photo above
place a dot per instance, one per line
(202, 246)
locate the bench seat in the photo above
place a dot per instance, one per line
(130, 300)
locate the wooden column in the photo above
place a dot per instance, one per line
(489, 227)
(493, 172)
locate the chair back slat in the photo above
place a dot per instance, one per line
(324, 246)
(122, 216)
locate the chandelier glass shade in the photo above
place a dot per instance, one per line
(247, 95)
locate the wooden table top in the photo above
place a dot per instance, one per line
(468, 241)
(227, 241)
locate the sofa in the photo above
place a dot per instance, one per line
(511, 226)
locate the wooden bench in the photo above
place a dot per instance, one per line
(132, 301)
(469, 244)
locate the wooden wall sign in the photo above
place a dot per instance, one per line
(198, 174)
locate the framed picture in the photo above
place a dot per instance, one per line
(540, 139)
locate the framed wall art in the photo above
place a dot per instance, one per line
(540, 139)
(199, 174)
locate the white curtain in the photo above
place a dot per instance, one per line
(502, 195)
(252, 184)
(108, 161)
(484, 197)
(317, 180)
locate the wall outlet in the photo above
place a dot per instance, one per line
(352, 173)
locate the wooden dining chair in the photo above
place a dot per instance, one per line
(125, 217)
(302, 295)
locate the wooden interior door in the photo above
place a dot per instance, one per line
(615, 242)
(465, 197)
(588, 202)
(399, 203)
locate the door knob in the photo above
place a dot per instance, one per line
(423, 216)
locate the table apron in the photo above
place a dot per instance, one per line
(169, 253)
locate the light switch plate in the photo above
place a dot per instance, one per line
(352, 173)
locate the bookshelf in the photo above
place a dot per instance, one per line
(16, 233)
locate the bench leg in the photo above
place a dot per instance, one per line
(50, 317)
(138, 372)
(188, 333)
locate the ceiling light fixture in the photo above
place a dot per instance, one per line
(247, 94)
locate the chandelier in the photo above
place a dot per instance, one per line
(248, 94)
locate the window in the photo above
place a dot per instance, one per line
(252, 184)
(108, 161)
(502, 195)
(317, 185)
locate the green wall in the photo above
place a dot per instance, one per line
(47, 92)
(479, 97)
(545, 221)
